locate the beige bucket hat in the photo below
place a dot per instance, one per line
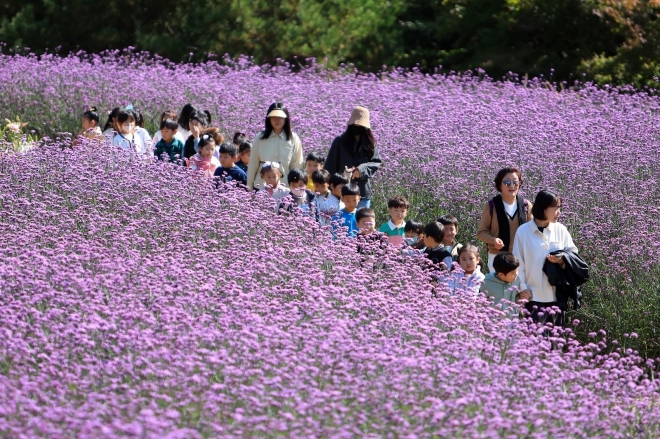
(360, 116)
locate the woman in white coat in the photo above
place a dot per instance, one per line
(534, 242)
(276, 143)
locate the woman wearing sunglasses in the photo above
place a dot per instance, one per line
(276, 143)
(507, 208)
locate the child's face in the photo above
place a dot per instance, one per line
(271, 178)
(312, 166)
(468, 261)
(206, 151)
(300, 184)
(350, 202)
(87, 124)
(127, 127)
(336, 190)
(167, 134)
(398, 214)
(413, 238)
(510, 277)
(226, 160)
(320, 188)
(366, 225)
(245, 156)
(450, 233)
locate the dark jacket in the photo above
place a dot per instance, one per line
(567, 280)
(340, 157)
(189, 147)
(438, 256)
(231, 174)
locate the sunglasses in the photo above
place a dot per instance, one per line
(509, 183)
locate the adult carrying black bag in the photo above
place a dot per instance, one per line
(569, 279)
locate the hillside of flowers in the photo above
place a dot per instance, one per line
(442, 138)
(135, 304)
(139, 301)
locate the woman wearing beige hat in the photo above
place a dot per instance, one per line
(356, 151)
(277, 143)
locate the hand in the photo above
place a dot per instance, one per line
(556, 259)
(196, 129)
(524, 295)
(498, 243)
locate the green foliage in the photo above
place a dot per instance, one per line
(610, 41)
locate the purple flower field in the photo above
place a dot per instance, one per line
(137, 301)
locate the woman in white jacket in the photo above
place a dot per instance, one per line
(534, 242)
(277, 143)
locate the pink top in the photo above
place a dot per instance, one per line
(198, 164)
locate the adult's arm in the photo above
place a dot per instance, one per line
(332, 160)
(483, 232)
(189, 147)
(253, 164)
(518, 252)
(297, 156)
(568, 241)
(367, 170)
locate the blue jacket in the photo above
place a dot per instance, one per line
(345, 219)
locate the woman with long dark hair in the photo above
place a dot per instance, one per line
(355, 153)
(276, 143)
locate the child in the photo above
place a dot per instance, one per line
(169, 114)
(469, 276)
(271, 174)
(414, 234)
(504, 282)
(239, 139)
(90, 126)
(244, 150)
(204, 161)
(397, 208)
(350, 196)
(218, 138)
(228, 171)
(451, 230)
(168, 143)
(313, 162)
(366, 221)
(302, 196)
(141, 131)
(126, 137)
(110, 128)
(434, 233)
(327, 200)
(369, 241)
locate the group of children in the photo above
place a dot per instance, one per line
(331, 199)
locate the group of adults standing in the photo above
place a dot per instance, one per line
(509, 223)
(355, 150)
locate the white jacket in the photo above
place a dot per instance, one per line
(276, 148)
(531, 248)
(130, 143)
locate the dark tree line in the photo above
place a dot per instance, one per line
(611, 41)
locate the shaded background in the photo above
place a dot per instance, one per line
(603, 40)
